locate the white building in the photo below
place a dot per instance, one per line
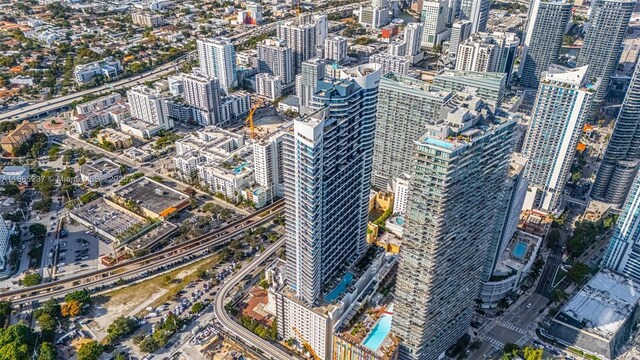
(218, 159)
(22, 80)
(557, 118)
(276, 58)
(108, 68)
(268, 86)
(268, 167)
(397, 48)
(217, 58)
(176, 87)
(99, 171)
(400, 194)
(202, 94)
(376, 15)
(322, 27)
(147, 19)
(476, 11)
(312, 71)
(413, 38)
(395, 64)
(488, 52)
(301, 36)
(434, 20)
(235, 106)
(102, 102)
(335, 49)
(149, 105)
(460, 31)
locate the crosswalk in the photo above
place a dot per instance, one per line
(497, 344)
(523, 340)
(512, 327)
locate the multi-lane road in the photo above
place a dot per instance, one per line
(166, 258)
(267, 348)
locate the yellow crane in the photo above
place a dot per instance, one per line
(306, 344)
(249, 121)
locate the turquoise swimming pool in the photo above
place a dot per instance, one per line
(338, 290)
(379, 332)
(239, 168)
(400, 220)
(520, 250)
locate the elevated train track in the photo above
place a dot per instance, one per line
(155, 262)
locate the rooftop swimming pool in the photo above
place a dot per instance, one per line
(338, 290)
(379, 332)
(239, 168)
(400, 220)
(520, 250)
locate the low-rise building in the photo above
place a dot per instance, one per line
(99, 171)
(151, 198)
(390, 63)
(218, 158)
(109, 68)
(118, 139)
(102, 102)
(14, 175)
(22, 80)
(147, 19)
(600, 318)
(20, 135)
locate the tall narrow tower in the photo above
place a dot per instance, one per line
(327, 174)
(459, 170)
(622, 157)
(608, 25)
(559, 113)
(218, 59)
(543, 39)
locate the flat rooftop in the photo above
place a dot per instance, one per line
(602, 306)
(100, 166)
(108, 217)
(151, 195)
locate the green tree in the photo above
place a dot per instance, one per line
(38, 231)
(531, 353)
(48, 326)
(5, 312)
(16, 342)
(121, 327)
(10, 189)
(90, 351)
(47, 352)
(197, 307)
(81, 296)
(32, 279)
(578, 272)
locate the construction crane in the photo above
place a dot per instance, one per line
(306, 344)
(249, 121)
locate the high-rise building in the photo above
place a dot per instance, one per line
(327, 174)
(4, 242)
(459, 164)
(269, 86)
(488, 52)
(268, 165)
(202, 94)
(621, 159)
(558, 115)
(543, 38)
(300, 36)
(149, 105)
(218, 59)
(623, 254)
(608, 24)
(312, 71)
(322, 27)
(375, 15)
(507, 213)
(490, 87)
(413, 38)
(460, 31)
(398, 48)
(335, 49)
(276, 58)
(405, 106)
(476, 11)
(434, 20)
(397, 64)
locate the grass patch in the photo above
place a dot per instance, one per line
(136, 294)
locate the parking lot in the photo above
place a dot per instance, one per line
(79, 251)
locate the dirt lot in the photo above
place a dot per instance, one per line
(132, 300)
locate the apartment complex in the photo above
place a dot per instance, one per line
(202, 94)
(269, 86)
(396, 64)
(217, 58)
(543, 39)
(608, 24)
(276, 58)
(149, 106)
(559, 113)
(18, 136)
(335, 49)
(460, 163)
(405, 106)
(488, 52)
